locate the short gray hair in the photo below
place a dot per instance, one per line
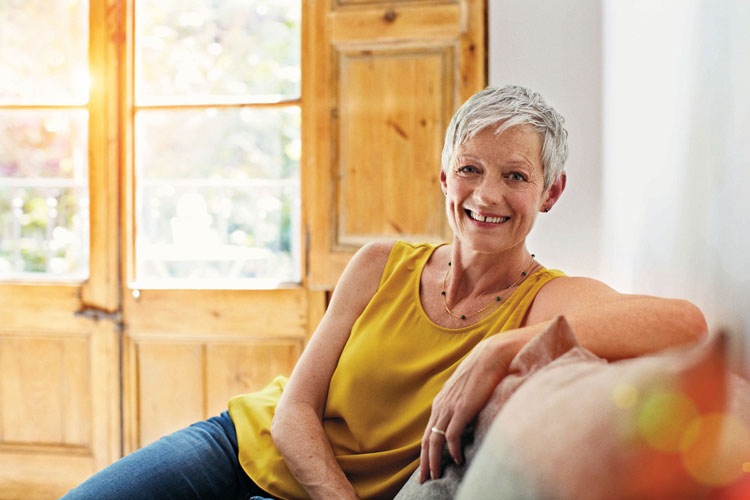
(507, 107)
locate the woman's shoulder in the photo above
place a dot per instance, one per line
(565, 294)
(374, 255)
(368, 264)
(564, 285)
(374, 259)
(382, 250)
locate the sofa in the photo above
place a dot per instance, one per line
(566, 424)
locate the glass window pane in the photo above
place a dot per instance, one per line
(203, 50)
(48, 144)
(44, 221)
(44, 52)
(218, 195)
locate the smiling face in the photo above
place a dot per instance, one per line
(495, 189)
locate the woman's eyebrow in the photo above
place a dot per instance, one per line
(513, 163)
(518, 161)
(464, 159)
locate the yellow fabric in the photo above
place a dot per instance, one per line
(380, 395)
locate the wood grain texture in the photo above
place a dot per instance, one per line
(45, 385)
(406, 21)
(383, 82)
(59, 404)
(179, 382)
(316, 308)
(389, 143)
(170, 388)
(101, 290)
(41, 476)
(239, 368)
(49, 307)
(186, 352)
(381, 3)
(255, 313)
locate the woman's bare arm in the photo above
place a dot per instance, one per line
(296, 428)
(610, 324)
(614, 325)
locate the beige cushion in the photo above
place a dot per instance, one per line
(565, 424)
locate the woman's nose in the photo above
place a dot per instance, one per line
(489, 191)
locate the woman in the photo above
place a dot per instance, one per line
(408, 352)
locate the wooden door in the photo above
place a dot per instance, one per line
(383, 80)
(59, 330)
(190, 341)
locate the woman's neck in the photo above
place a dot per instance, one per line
(474, 274)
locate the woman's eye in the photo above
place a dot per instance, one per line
(468, 169)
(517, 176)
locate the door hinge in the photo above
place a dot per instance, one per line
(97, 314)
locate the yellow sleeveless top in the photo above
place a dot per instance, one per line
(380, 395)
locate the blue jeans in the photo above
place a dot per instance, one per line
(198, 462)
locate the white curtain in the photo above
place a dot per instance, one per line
(676, 160)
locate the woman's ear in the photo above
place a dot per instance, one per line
(443, 182)
(554, 192)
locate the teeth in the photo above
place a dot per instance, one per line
(494, 220)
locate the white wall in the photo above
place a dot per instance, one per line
(676, 157)
(657, 105)
(555, 47)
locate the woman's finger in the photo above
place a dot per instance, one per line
(432, 440)
(424, 454)
(453, 434)
(436, 442)
(424, 460)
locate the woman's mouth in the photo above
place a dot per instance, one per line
(481, 218)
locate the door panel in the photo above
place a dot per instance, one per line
(382, 81)
(233, 368)
(170, 388)
(187, 352)
(434, 19)
(389, 143)
(182, 381)
(196, 313)
(59, 414)
(44, 381)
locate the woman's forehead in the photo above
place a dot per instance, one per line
(519, 139)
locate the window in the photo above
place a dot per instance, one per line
(217, 142)
(44, 85)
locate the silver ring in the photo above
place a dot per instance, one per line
(435, 429)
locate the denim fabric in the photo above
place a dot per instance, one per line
(199, 462)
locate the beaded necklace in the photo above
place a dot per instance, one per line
(497, 298)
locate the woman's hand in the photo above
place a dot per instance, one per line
(459, 401)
